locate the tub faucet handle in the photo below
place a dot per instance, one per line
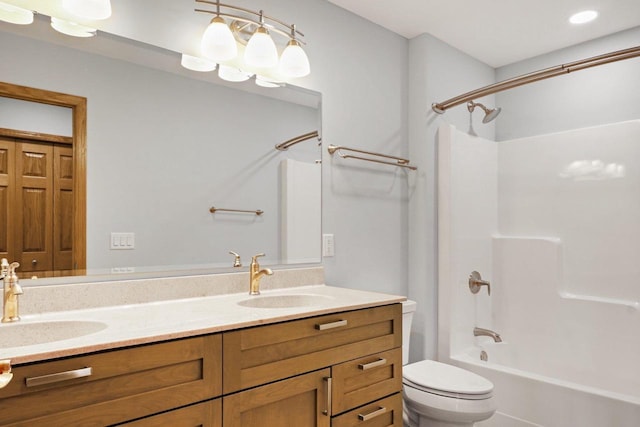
(476, 282)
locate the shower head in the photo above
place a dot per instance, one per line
(489, 113)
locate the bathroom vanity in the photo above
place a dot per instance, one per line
(331, 364)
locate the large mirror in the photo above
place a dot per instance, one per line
(164, 145)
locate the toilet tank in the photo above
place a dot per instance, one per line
(408, 308)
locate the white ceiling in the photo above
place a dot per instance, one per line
(498, 32)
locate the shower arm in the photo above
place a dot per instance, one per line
(441, 107)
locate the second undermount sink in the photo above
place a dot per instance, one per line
(23, 334)
(284, 301)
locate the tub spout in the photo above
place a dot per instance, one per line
(486, 332)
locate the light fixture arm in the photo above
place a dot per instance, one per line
(262, 18)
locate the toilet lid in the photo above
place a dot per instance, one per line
(437, 376)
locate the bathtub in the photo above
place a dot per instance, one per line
(531, 397)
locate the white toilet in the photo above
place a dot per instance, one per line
(440, 395)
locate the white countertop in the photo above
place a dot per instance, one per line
(126, 325)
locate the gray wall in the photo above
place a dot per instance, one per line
(604, 94)
(437, 72)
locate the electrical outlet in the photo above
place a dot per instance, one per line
(328, 246)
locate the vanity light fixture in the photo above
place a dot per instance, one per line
(195, 63)
(15, 15)
(583, 17)
(244, 46)
(88, 9)
(72, 28)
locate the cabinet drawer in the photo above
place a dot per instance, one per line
(366, 379)
(385, 412)
(207, 414)
(115, 386)
(262, 354)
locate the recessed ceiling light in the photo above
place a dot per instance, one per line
(583, 17)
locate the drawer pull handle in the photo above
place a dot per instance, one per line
(366, 417)
(328, 410)
(325, 326)
(364, 366)
(59, 377)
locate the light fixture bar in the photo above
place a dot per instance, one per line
(249, 11)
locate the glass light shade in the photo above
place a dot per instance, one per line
(294, 62)
(197, 64)
(232, 74)
(88, 9)
(266, 82)
(218, 44)
(15, 15)
(261, 51)
(71, 28)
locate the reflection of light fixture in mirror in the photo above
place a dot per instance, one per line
(232, 74)
(71, 28)
(15, 15)
(266, 82)
(88, 9)
(194, 63)
(254, 31)
(489, 113)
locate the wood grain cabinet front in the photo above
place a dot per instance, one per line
(366, 379)
(385, 412)
(113, 387)
(207, 414)
(301, 401)
(262, 354)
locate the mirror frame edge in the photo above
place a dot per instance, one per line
(78, 106)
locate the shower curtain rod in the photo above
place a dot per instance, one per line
(441, 107)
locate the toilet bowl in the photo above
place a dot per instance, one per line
(438, 395)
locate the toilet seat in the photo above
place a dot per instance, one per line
(444, 380)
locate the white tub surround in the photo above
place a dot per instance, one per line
(551, 222)
(119, 314)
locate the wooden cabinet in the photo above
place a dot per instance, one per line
(207, 414)
(338, 370)
(113, 387)
(301, 401)
(384, 412)
(362, 349)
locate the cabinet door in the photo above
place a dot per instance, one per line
(300, 401)
(207, 414)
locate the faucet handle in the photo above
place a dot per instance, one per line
(254, 258)
(4, 265)
(475, 282)
(236, 261)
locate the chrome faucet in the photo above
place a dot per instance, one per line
(12, 289)
(255, 274)
(486, 332)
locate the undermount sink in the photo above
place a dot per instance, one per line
(23, 334)
(284, 301)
